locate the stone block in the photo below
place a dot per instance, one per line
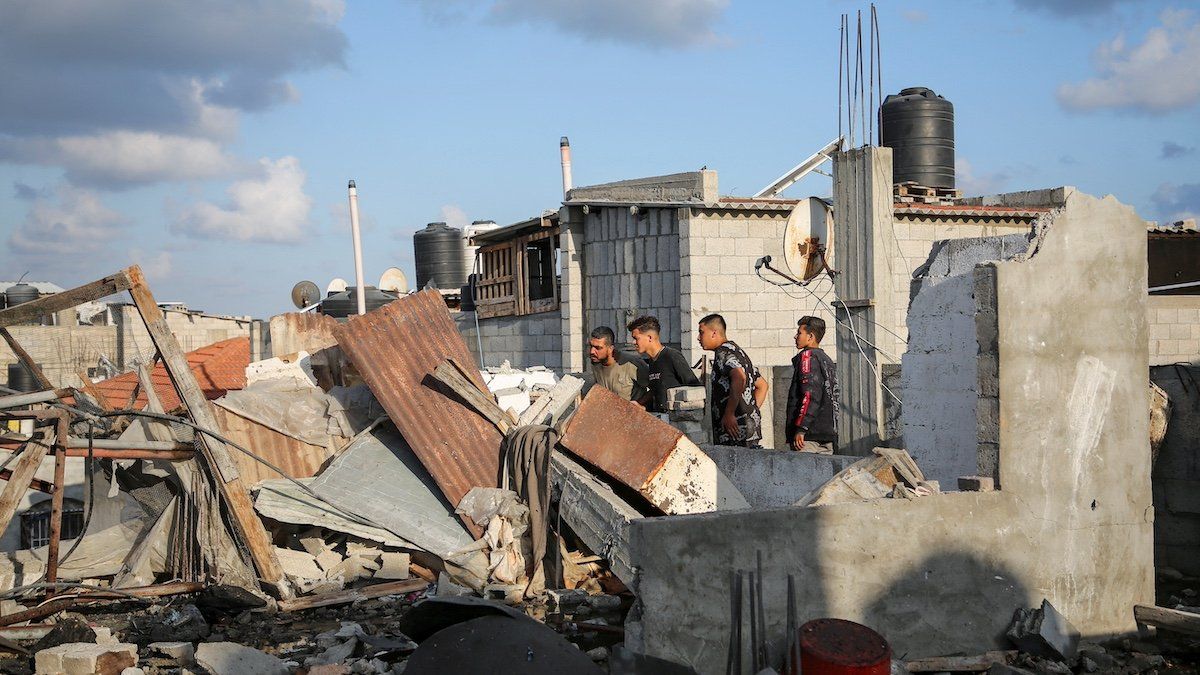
(183, 653)
(85, 658)
(393, 565)
(228, 658)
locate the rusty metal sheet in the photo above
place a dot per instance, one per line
(620, 438)
(297, 458)
(395, 349)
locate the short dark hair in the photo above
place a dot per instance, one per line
(713, 319)
(815, 325)
(605, 333)
(645, 324)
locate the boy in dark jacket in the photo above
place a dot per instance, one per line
(812, 409)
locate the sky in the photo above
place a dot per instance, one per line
(211, 142)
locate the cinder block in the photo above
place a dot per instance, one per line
(85, 658)
(976, 484)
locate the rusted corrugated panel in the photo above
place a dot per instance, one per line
(297, 458)
(395, 349)
(620, 438)
(301, 332)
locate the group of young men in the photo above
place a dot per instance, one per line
(738, 390)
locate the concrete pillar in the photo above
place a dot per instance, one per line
(864, 236)
(574, 322)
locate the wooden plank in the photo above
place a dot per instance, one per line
(56, 500)
(1175, 620)
(451, 376)
(246, 523)
(14, 490)
(55, 606)
(26, 360)
(34, 483)
(36, 309)
(969, 664)
(353, 595)
(90, 389)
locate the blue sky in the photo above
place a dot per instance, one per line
(211, 142)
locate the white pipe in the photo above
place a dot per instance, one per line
(1172, 287)
(359, 290)
(564, 151)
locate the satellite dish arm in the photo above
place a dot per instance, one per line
(800, 170)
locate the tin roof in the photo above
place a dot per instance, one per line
(218, 368)
(396, 348)
(1179, 228)
(968, 211)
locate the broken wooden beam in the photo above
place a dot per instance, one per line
(49, 304)
(68, 601)
(62, 428)
(652, 457)
(34, 483)
(449, 374)
(248, 528)
(22, 474)
(353, 595)
(1175, 620)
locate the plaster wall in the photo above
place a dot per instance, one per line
(523, 341)
(770, 479)
(943, 574)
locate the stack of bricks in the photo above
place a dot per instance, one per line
(685, 412)
(1174, 329)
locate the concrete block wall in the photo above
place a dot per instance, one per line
(193, 331)
(62, 351)
(1176, 474)
(1174, 322)
(719, 248)
(523, 341)
(940, 372)
(632, 265)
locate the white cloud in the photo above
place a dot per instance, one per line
(656, 24)
(454, 216)
(915, 16)
(1159, 75)
(156, 266)
(1071, 8)
(75, 222)
(1177, 201)
(270, 208)
(120, 159)
(973, 183)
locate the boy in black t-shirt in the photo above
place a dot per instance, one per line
(667, 367)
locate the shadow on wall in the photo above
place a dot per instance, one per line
(1176, 475)
(995, 592)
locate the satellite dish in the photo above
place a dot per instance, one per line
(394, 281)
(808, 239)
(305, 293)
(336, 286)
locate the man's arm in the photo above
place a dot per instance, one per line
(737, 385)
(760, 391)
(641, 381)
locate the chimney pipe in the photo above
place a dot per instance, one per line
(359, 291)
(564, 151)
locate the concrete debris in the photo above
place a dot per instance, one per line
(182, 653)
(1044, 632)
(84, 658)
(228, 658)
(976, 484)
(393, 565)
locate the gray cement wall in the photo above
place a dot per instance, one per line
(939, 373)
(1177, 473)
(943, 574)
(632, 268)
(523, 341)
(770, 479)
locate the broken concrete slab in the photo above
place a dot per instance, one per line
(648, 455)
(183, 653)
(85, 658)
(866, 479)
(283, 500)
(228, 658)
(393, 565)
(594, 512)
(1044, 632)
(770, 478)
(298, 566)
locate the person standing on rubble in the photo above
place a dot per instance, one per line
(738, 390)
(667, 368)
(812, 406)
(617, 372)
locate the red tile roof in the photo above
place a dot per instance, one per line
(219, 367)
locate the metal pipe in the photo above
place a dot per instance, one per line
(360, 289)
(1172, 287)
(564, 153)
(19, 400)
(118, 444)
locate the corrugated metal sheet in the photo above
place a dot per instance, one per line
(297, 458)
(619, 438)
(396, 348)
(967, 211)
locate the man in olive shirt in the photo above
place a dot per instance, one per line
(667, 370)
(621, 374)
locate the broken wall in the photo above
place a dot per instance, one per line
(943, 574)
(1177, 472)
(940, 369)
(523, 341)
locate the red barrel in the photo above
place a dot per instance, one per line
(839, 647)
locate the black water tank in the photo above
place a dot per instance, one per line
(439, 252)
(21, 379)
(919, 127)
(344, 304)
(19, 294)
